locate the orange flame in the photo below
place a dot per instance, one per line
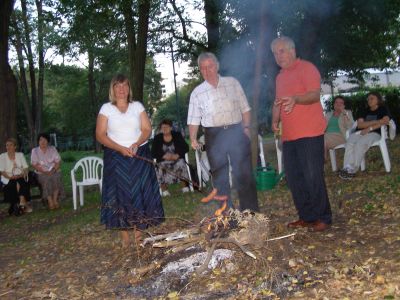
(213, 196)
(219, 211)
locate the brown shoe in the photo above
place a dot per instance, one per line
(318, 226)
(299, 224)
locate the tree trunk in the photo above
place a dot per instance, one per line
(39, 105)
(137, 43)
(22, 80)
(29, 54)
(212, 15)
(260, 50)
(8, 83)
(139, 60)
(126, 7)
(92, 96)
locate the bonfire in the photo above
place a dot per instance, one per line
(243, 229)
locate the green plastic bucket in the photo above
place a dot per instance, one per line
(267, 178)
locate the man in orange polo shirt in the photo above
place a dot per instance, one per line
(297, 105)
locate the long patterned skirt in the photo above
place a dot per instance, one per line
(51, 183)
(130, 196)
(170, 172)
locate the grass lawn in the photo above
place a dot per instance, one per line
(67, 254)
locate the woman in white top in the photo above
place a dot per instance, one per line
(130, 196)
(14, 171)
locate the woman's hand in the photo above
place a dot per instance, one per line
(134, 148)
(384, 121)
(170, 156)
(125, 151)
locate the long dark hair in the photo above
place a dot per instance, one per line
(378, 95)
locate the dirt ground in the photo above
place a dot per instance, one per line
(358, 257)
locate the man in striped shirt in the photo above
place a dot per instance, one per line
(220, 106)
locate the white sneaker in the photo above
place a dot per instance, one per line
(165, 194)
(392, 129)
(185, 189)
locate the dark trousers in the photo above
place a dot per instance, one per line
(304, 169)
(231, 142)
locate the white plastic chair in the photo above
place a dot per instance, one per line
(261, 153)
(203, 168)
(278, 155)
(92, 174)
(381, 143)
(332, 153)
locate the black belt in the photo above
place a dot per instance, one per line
(223, 127)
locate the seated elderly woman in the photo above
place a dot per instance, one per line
(339, 121)
(169, 150)
(46, 162)
(368, 132)
(14, 172)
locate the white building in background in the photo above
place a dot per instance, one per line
(343, 85)
(375, 78)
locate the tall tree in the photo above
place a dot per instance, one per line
(26, 28)
(8, 83)
(137, 34)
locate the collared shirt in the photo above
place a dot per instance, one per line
(220, 106)
(304, 120)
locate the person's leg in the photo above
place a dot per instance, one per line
(243, 177)
(55, 198)
(218, 159)
(294, 177)
(349, 151)
(50, 202)
(362, 146)
(137, 235)
(331, 140)
(125, 238)
(316, 206)
(11, 196)
(24, 195)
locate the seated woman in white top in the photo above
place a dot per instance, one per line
(14, 172)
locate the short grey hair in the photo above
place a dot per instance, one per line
(208, 55)
(287, 40)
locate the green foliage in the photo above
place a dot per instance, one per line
(68, 157)
(67, 102)
(170, 109)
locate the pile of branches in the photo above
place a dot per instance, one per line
(242, 229)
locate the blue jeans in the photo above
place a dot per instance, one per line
(304, 167)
